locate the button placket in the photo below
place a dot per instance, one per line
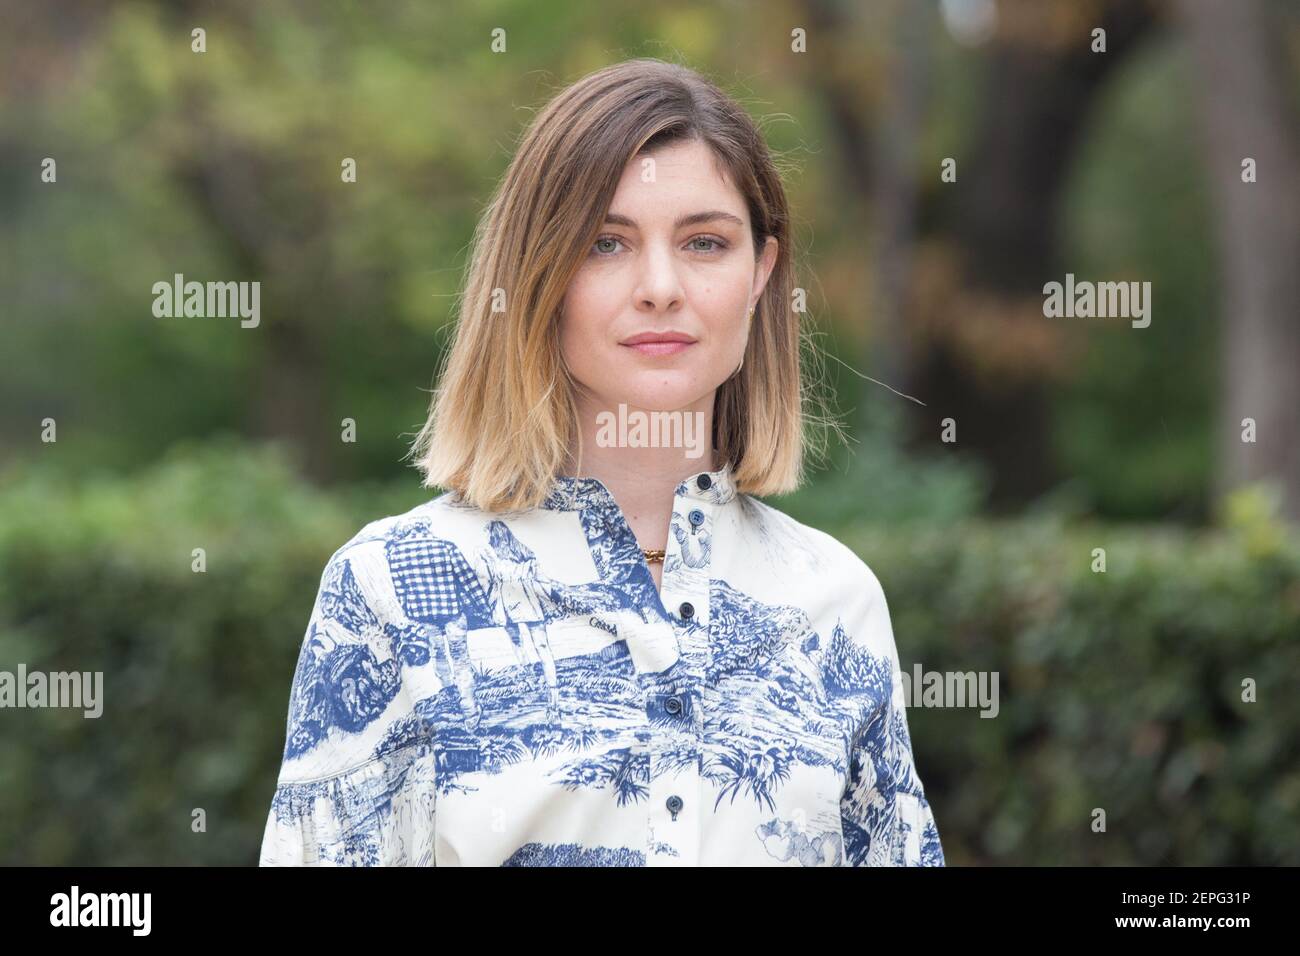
(678, 799)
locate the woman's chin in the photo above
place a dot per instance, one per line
(654, 399)
(654, 389)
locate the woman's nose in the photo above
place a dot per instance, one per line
(659, 281)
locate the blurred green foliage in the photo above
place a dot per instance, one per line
(872, 477)
(1119, 690)
(226, 165)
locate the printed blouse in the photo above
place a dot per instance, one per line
(512, 689)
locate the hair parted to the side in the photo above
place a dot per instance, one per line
(503, 418)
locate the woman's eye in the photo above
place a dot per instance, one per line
(604, 252)
(718, 244)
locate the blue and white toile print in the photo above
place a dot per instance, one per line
(513, 690)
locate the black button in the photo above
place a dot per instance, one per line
(673, 705)
(704, 482)
(674, 804)
(687, 609)
(696, 516)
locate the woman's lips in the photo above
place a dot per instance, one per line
(660, 348)
(668, 342)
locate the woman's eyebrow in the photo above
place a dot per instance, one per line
(693, 219)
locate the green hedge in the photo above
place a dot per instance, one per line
(1118, 690)
(96, 576)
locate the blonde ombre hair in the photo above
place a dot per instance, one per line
(503, 421)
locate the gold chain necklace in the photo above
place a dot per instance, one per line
(652, 555)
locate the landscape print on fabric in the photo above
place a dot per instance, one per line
(339, 681)
(500, 635)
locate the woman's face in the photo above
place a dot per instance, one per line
(674, 260)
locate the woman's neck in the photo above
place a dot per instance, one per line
(643, 479)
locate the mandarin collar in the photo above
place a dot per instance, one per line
(570, 493)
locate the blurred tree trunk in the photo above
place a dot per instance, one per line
(998, 231)
(287, 391)
(1246, 113)
(894, 187)
(272, 239)
(877, 168)
(1002, 229)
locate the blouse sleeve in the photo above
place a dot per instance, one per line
(885, 816)
(351, 790)
(380, 814)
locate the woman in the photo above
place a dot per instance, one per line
(625, 377)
